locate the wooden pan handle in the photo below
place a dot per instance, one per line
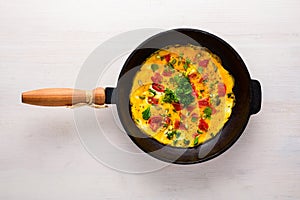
(63, 96)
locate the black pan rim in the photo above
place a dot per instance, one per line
(237, 136)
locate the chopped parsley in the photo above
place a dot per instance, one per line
(170, 134)
(186, 142)
(169, 68)
(229, 95)
(170, 65)
(154, 67)
(142, 97)
(185, 66)
(207, 112)
(146, 113)
(169, 96)
(178, 134)
(217, 100)
(200, 70)
(188, 61)
(184, 90)
(152, 91)
(194, 119)
(196, 140)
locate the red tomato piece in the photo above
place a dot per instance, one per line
(203, 63)
(213, 110)
(168, 57)
(192, 75)
(155, 122)
(152, 100)
(195, 115)
(167, 120)
(179, 125)
(203, 78)
(203, 125)
(194, 93)
(221, 89)
(183, 117)
(176, 124)
(157, 78)
(203, 102)
(167, 73)
(182, 127)
(190, 108)
(177, 106)
(158, 87)
(195, 135)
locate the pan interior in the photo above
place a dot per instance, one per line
(231, 62)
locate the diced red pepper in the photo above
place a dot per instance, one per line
(179, 125)
(183, 117)
(167, 73)
(195, 135)
(203, 78)
(182, 127)
(155, 122)
(192, 75)
(221, 89)
(167, 120)
(190, 108)
(176, 124)
(203, 102)
(168, 57)
(194, 93)
(195, 115)
(203, 125)
(158, 87)
(157, 78)
(203, 63)
(213, 109)
(152, 100)
(177, 106)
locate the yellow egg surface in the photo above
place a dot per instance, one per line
(182, 96)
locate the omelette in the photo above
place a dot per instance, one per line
(182, 96)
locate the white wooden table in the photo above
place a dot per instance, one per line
(44, 44)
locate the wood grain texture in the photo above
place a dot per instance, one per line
(63, 97)
(44, 43)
